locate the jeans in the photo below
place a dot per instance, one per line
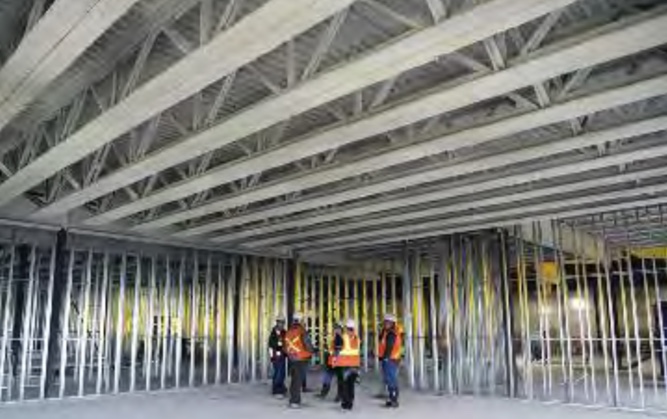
(390, 376)
(279, 372)
(328, 376)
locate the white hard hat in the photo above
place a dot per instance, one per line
(390, 318)
(280, 318)
(297, 317)
(351, 324)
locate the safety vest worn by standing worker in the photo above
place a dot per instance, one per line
(350, 355)
(396, 350)
(296, 344)
(330, 359)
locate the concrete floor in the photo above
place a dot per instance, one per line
(251, 401)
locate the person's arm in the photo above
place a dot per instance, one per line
(307, 342)
(380, 355)
(273, 343)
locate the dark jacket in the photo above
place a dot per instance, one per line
(276, 342)
(338, 343)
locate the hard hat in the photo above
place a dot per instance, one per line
(351, 324)
(390, 318)
(337, 325)
(280, 318)
(297, 317)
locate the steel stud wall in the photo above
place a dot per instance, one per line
(133, 322)
(496, 313)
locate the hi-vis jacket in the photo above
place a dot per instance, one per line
(297, 344)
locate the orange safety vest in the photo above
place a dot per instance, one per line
(296, 347)
(395, 354)
(350, 354)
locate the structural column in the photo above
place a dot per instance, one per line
(20, 298)
(290, 288)
(508, 309)
(59, 284)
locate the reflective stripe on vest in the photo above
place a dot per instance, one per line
(350, 354)
(296, 347)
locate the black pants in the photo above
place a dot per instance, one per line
(347, 390)
(298, 370)
(340, 382)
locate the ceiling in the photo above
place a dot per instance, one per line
(326, 126)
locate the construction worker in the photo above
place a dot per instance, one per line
(278, 357)
(348, 360)
(336, 342)
(391, 343)
(299, 352)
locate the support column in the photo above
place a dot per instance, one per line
(20, 283)
(59, 285)
(596, 312)
(238, 280)
(615, 321)
(508, 309)
(290, 289)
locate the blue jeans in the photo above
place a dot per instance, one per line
(390, 376)
(328, 376)
(279, 373)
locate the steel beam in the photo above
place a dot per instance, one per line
(409, 52)
(280, 20)
(57, 40)
(544, 192)
(593, 103)
(639, 197)
(448, 209)
(591, 50)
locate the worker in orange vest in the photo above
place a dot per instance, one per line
(391, 345)
(336, 342)
(299, 352)
(348, 359)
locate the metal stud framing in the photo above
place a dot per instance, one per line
(536, 311)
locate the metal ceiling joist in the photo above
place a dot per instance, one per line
(577, 107)
(558, 209)
(409, 52)
(61, 36)
(609, 45)
(473, 205)
(481, 165)
(278, 20)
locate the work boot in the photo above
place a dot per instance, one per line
(324, 392)
(392, 401)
